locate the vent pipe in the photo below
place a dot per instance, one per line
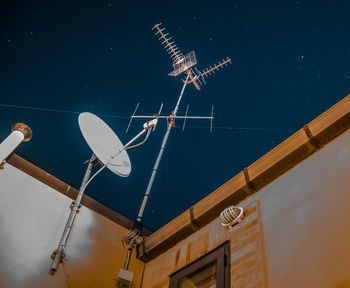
(20, 133)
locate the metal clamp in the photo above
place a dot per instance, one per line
(311, 138)
(73, 204)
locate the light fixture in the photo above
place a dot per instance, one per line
(231, 216)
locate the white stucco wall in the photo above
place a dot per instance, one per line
(32, 218)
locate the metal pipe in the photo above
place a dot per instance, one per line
(58, 254)
(154, 172)
(20, 132)
(155, 167)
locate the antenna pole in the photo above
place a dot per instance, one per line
(58, 254)
(137, 224)
(155, 167)
(181, 64)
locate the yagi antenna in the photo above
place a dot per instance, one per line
(170, 46)
(108, 151)
(184, 64)
(181, 64)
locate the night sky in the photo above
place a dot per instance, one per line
(290, 62)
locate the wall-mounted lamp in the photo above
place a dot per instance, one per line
(231, 216)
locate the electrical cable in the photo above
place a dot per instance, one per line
(105, 165)
(139, 144)
(93, 176)
(125, 117)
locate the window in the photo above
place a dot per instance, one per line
(210, 271)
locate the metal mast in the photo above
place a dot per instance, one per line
(131, 238)
(156, 164)
(181, 64)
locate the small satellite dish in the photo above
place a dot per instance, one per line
(105, 144)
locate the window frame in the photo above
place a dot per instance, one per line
(220, 255)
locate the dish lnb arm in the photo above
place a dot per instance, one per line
(150, 124)
(146, 127)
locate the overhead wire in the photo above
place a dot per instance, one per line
(57, 110)
(127, 117)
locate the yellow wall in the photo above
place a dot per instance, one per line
(32, 218)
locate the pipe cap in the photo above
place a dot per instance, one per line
(27, 132)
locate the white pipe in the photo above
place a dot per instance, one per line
(20, 133)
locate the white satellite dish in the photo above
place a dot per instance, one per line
(105, 144)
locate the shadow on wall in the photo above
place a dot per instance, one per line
(94, 253)
(106, 255)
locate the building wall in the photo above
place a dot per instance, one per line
(32, 219)
(296, 231)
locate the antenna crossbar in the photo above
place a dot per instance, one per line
(172, 117)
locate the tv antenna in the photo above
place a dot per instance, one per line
(108, 151)
(185, 64)
(181, 64)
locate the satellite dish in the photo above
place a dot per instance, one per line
(105, 144)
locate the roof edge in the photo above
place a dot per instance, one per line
(68, 190)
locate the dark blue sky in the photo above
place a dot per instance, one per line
(290, 62)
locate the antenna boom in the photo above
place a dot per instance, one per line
(171, 117)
